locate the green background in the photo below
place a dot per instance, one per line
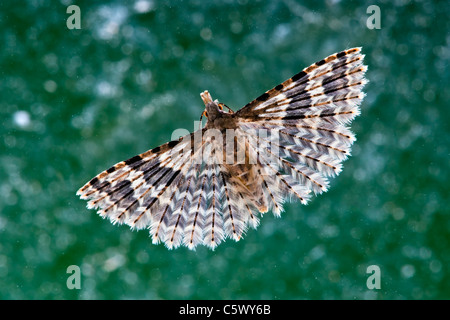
(74, 102)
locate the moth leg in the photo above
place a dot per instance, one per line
(201, 117)
(221, 105)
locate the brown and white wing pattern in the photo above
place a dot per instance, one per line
(177, 190)
(307, 117)
(151, 190)
(294, 137)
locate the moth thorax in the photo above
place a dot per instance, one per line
(211, 107)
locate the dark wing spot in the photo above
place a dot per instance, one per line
(173, 143)
(133, 160)
(321, 62)
(105, 184)
(156, 150)
(298, 76)
(93, 181)
(279, 87)
(263, 97)
(110, 170)
(173, 177)
(341, 54)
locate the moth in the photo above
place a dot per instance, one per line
(218, 181)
